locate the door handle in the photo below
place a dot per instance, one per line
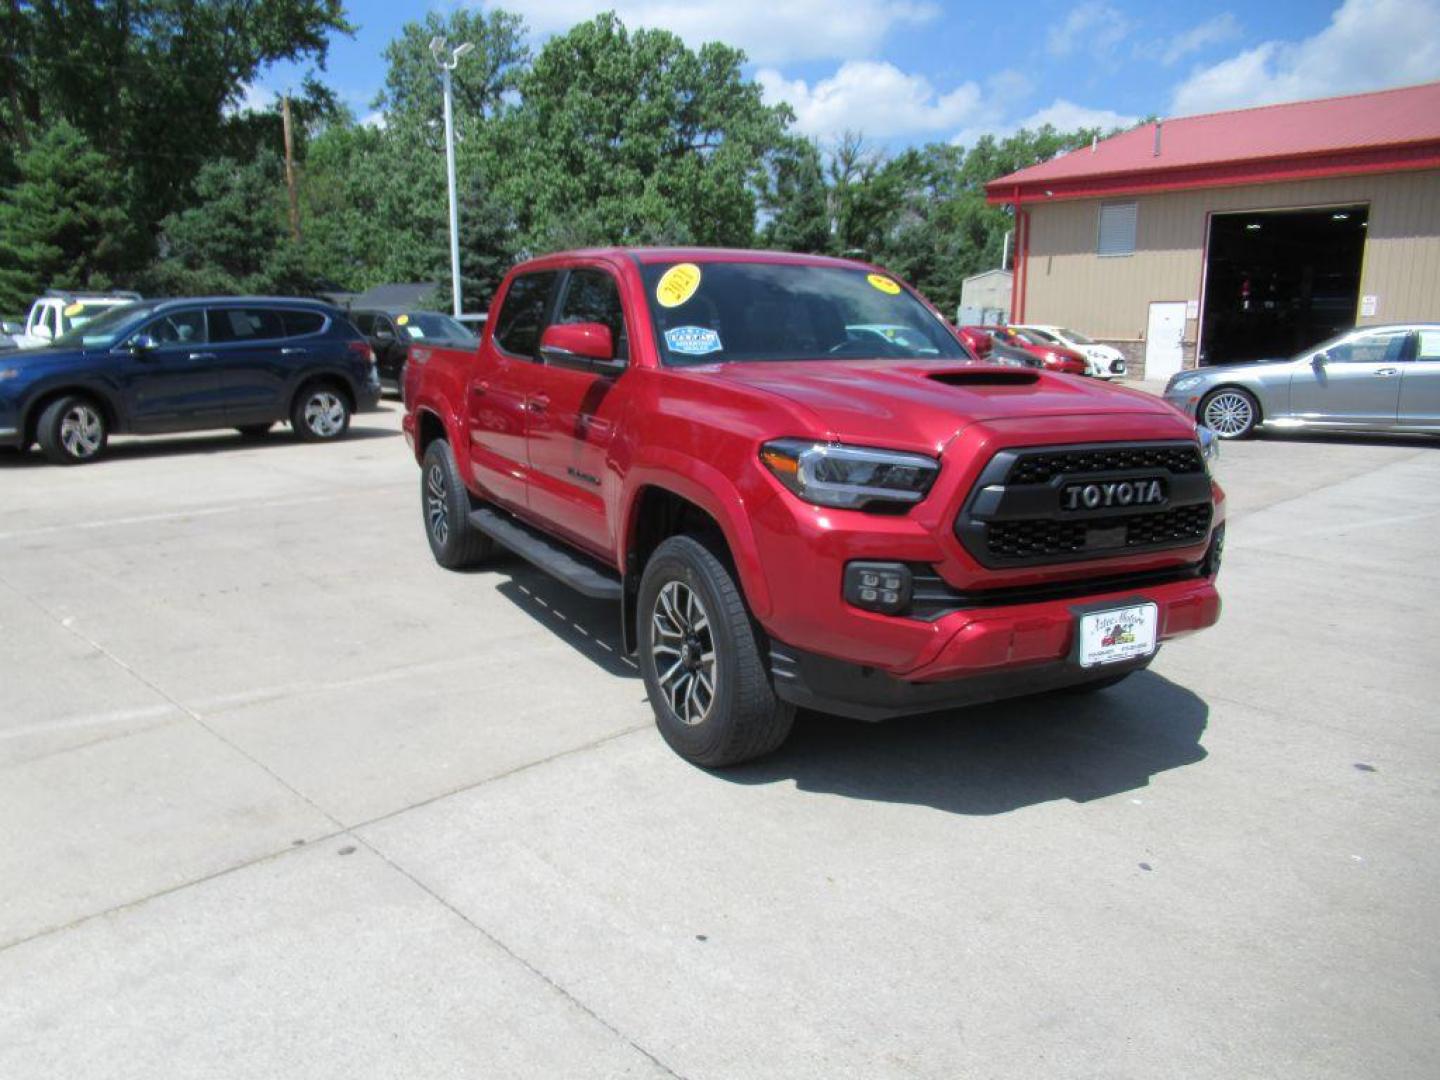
(292, 352)
(538, 403)
(1386, 372)
(479, 389)
(202, 356)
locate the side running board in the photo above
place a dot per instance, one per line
(557, 560)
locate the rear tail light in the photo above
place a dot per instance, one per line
(363, 349)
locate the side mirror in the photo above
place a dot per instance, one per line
(582, 346)
(143, 343)
(1319, 359)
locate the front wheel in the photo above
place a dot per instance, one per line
(702, 659)
(321, 413)
(72, 431)
(1230, 412)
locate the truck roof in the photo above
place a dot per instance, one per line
(649, 255)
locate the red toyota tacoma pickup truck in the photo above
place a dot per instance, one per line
(800, 489)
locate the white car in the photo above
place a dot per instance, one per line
(58, 313)
(1103, 361)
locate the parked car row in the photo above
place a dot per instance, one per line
(391, 332)
(1051, 347)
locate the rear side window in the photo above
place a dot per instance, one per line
(244, 324)
(592, 296)
(302, 322)
(522, 316)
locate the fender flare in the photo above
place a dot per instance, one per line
(29, 412)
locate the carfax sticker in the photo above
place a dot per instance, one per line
(693, 340)
(677, 285)
(884, 284)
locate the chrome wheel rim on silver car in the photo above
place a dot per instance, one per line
(1229, 414)
(437, 513)
(683, 649)
(325, 414)
(82, 431)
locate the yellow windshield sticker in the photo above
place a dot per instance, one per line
(678, 284)
(883, 283)
(403, 319)
(74, 309)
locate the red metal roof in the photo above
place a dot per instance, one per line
(1383, 131)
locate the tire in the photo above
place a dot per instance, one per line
(321, 412)
(1235, 412)
(253, 431)
(689, 600)
(72, 431)
(445, 511)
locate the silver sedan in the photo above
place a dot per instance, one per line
(1375, 378)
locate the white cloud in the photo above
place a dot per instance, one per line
(253, 98)
(1060, 114)
(1221, 28)
(872, 97)
(1092, 28)
(377, 120)
(770, 32)
(1368, 45)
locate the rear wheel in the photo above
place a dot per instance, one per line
(321, 413)
(445, 503)
(1230, 412)
(702, 658)
(72, 431)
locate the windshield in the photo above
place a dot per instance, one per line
(75, 315)
(1078, 339)
(104, 329)
(722, 312)
(430, 326)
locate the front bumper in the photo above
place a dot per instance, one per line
(369, 395)
(985, 655)
(1188, 402)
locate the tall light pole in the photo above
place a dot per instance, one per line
(448, 63)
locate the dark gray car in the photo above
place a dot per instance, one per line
(1374, 378)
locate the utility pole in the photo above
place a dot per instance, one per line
(290, 170)
(447, 65)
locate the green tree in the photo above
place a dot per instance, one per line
(63, 224)
(631, 137)
(234, 240)
(481, 80)
(797, 201)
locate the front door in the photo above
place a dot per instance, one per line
(175, 384)
(1164, 339)
(499, 390)
(1420, 382)
(572, 421)
(1354, 382)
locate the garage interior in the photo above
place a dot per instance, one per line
(1279, 281)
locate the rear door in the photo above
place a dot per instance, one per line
(176, 384)
(500, 385)
(247, 340)
(1420, 381)
(1355, 382)
(573, 416)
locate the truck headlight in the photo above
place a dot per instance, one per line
(1209, 446)
(849, 477)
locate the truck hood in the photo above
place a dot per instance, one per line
(922, 406)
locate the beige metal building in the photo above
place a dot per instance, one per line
(1236, 235)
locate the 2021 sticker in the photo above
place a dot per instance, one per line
(677, 285)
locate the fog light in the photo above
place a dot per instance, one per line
(1210, 568)
(878, 586)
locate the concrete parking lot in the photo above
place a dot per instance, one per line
(281, 798)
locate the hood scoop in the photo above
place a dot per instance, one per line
(983, 377)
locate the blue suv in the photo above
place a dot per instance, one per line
(184, 365)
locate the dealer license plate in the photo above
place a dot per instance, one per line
(1109, 637)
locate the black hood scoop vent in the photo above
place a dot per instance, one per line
(985, 377)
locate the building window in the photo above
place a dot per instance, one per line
(1117, 229)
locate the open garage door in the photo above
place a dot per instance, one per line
(1279, 281)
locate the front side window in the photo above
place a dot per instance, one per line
(522, 316)
(722, 312)
(1077, 338)
(591, 296)
(1429, 345)
(178, 328)
(105, 330)
(1387, 348)
(244, 324)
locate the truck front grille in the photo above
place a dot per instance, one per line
(1064, 504)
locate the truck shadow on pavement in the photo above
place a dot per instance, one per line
(987, 759)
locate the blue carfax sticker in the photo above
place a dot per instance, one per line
(693, 340)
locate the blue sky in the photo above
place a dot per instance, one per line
(915, 71)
